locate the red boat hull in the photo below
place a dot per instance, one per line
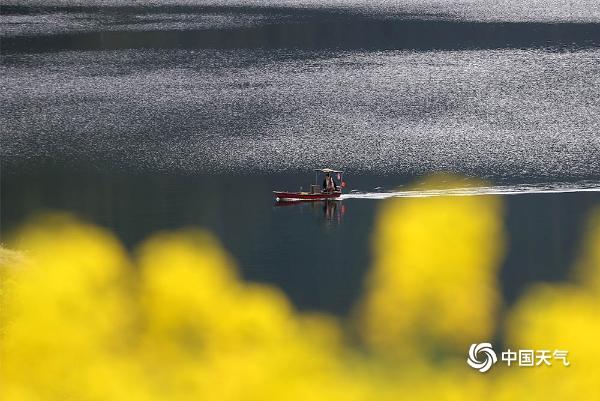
(282, 196)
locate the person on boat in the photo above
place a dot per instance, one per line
(328, 183)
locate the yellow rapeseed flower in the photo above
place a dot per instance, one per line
(80, 319)
(434, 279)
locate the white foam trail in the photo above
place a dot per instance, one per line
(555, 188)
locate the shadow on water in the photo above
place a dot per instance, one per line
(328, 211)
(302, 29)
(317, 253)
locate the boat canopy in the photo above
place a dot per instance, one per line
(328, 170)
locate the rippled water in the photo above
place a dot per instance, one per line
(492, 113)
(209, 88)
(495, 10)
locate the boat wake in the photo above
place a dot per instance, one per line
(553, 188)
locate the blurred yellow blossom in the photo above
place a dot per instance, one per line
(562, 316)
(80, 319)
(434, 279)
(64, 310)
(84, 322)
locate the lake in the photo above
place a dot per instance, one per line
(153, 118)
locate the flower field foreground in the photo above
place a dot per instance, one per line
(81, 319)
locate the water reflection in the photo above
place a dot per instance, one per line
(327, 211)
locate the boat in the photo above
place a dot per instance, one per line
(316, 192)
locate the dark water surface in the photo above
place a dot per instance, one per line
(185, 114)
(317, 252)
